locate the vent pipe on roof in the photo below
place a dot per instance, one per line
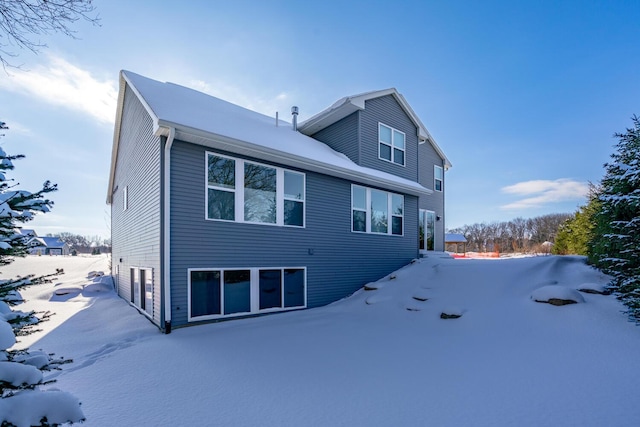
(276, 119)
(294, 113)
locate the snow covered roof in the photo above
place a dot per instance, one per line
(212, 122)
(53, 242)
(349, 104)
(454, 238)
(37, 241)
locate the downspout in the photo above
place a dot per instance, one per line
(167, 231)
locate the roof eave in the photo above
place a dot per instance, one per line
(249, 149)
(327, 117)
(116, 137)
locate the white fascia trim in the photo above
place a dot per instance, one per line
(116, 140)
(336, 112)
(124, 81)
(279, 157)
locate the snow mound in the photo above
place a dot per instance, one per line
(451, 313)
(93, 274)
(594, 288)
(557, 295)
(98, 287)
(374, 299)
(373, 286)
(413, 306)
(66, 290)
(420, 295)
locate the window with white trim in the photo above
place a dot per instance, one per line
(371, 210)
(141, 282)
(125, 198)
(438, 177)
(221, 187)
(244, 191)
(214, 293)
(391, 144)
(358, 208)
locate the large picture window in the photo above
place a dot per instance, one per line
(243, 191)
(391, 144)
(376, 211)
(215, 293)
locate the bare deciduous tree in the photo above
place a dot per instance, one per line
(517, 235)
(22, 21)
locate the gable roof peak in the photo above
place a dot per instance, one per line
(350, 104)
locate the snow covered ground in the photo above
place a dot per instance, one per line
(382, 357)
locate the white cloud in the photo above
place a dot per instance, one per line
(61, 83)
(538, 193)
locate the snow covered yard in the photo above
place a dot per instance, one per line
(382, 357)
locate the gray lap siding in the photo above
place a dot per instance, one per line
(386, 110)
(338, 261)
(136, 231)
(357, 136)
(435, 202)
(343, 136)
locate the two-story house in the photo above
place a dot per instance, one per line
(219, 212)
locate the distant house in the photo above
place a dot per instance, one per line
(43, 245)
(220, 212)
(55, 246)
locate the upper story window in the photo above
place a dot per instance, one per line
(371, 210)
(243, 191)
(391, 144)
(125, 198)
(438, 176)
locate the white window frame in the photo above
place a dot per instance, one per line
(393, 146)
(140, 288)
(125, 198)
(239, 192)
(353, 208)
(436, 179)
(218, 188)
(303, 200)
(390, 213)
(254, 292)
(423, 217)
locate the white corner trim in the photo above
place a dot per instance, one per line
(166, 262)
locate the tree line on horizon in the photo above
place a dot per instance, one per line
(606, 229)
(519, 235)
(84, 244)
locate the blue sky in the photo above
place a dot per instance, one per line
(523, 97)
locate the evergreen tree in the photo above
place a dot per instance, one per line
(576, 232)
(615, 245)
(22, 402)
